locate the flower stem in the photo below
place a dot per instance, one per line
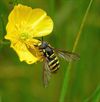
(2, 27)
(67, 74)
(15, 2)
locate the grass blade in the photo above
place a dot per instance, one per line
(95, 97)
(67, 74)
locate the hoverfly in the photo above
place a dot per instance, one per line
(51, 61)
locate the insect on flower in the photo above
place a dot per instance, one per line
(50, 58)
(24, 25)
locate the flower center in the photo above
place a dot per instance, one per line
(24, 36)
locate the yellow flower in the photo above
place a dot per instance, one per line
(25, 23)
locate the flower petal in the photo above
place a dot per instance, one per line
(23, 53)
(34, 21)
(13, 36)
(43, 28)
(19, 15)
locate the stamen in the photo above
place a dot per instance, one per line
(24, 36)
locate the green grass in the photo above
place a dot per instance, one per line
(67, 74)
(76, 28)
(95, 96)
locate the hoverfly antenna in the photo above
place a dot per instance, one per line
(42, 39)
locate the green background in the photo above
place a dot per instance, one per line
(20, 82)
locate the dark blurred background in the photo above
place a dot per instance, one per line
(20, 82)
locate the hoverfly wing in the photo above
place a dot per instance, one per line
(69, 56)
(46, 73)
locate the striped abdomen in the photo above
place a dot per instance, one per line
(53, 61)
